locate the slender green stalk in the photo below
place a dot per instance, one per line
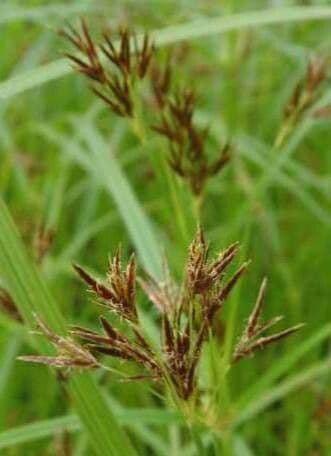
(160, 166)
(31, 295)
(179, 212)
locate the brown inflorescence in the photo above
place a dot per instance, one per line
(307, 90)
(188, 315)
(111, 67)
(187, 143)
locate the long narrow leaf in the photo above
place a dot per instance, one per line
(110, 175)
(71, 423)
(96, 157)
(31, 295)
(14, 13)
(38, 430)
(196, 29)
(284, 364)
(283, 389)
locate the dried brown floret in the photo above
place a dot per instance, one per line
(115, 344)
(202, 273)
(306, 91)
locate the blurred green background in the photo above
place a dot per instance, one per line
(276, 203)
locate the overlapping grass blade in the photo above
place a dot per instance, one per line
(116, 184)
(284, 364)
(38, 430)
(31, 295)
(98, 160)
(9, 13)
(189, 31)
(278, 392)
(7, 360)
(71, 423)
(250, 150)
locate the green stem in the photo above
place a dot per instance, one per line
(197, 441)
(180, 218)
(198, 206)
(138, 128)
(231, 324)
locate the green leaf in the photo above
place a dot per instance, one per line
(7, 360)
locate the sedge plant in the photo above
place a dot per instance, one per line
(189, 312)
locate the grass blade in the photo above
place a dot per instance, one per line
(71, 423)
(285, 364)
(97, 159)
(39, 430)
(31, 295)
(278, 392)
(106, 167)
(169, 35)
(8, 359)
(14, 13)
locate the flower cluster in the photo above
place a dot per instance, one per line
(112, 68)
(187, 314)
(187, 143)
